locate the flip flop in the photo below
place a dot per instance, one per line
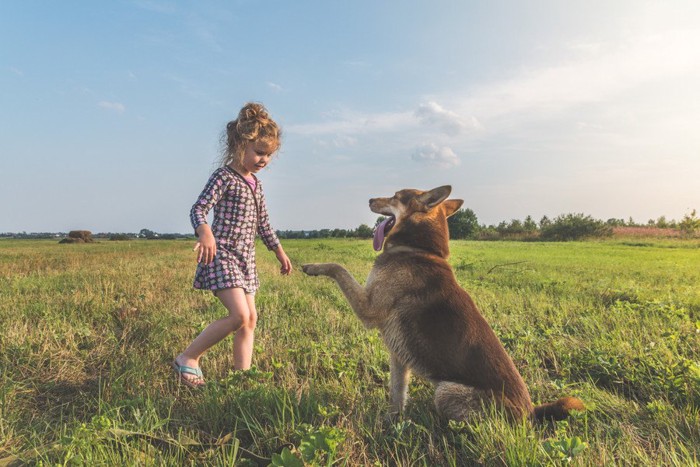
(182, 370)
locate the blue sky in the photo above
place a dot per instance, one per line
(111, 112)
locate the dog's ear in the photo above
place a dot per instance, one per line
(452, 206)
(435, 196)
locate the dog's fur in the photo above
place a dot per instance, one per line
(428, 322)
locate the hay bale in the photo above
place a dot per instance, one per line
(78, 236)
(84, 235)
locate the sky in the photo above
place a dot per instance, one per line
(111, 113)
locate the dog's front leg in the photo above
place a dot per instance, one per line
(353, 291)
(400, 375)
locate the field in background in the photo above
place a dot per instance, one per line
(88, 331)
(646, 232)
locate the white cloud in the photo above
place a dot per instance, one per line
(601, 73)
(114, 106)
(344, 141)
(433, 114)
(16, 71)
(430, 153)
(275, 87)
(349, 123)
(415, 124)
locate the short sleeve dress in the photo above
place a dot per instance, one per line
(239, 214)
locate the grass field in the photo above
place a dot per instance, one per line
(87, 333)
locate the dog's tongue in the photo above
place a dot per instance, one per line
(380, 233)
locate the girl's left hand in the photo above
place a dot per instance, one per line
(286, 264)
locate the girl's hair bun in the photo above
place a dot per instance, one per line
(252, 124)
(251, 119)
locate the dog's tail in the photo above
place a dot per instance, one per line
(558, 410)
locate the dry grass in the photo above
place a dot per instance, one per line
(646, 232)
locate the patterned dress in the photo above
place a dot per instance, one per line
(239, 213)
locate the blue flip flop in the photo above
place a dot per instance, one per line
(182, 369)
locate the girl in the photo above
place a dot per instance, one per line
(226, 250)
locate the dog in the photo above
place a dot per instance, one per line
(431, 325)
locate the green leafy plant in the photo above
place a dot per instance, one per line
(564, 449)
(321, 445)
(286, 459)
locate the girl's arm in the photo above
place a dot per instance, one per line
(265, 231)
(210, 195)
(270, 239)
(206, 246)
(286, 264)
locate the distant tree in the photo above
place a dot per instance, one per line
(529, 224)
(147, 234)
(690, 223)
(573, 227)
(502, 227)
(612, 222)
(463, 224)
(544, 222)
(662, 223)
(364, 231)
(515, 227)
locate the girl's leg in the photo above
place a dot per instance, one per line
(243, 341)
(238, 315)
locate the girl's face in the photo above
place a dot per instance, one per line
(256, 156)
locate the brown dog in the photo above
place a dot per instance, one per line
(428, 322)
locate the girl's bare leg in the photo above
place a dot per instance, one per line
(243, 340)
(239, 315)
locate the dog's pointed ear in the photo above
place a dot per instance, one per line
(436, 196)
(452, 206)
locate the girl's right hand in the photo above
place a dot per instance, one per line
(205, 248)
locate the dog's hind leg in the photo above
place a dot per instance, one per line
(353, 291)
(456, 401)
(400, 375)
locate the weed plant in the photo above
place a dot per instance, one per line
(87, 333)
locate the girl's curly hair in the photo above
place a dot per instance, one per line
(253, 124)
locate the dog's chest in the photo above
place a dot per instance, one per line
(404, 346)
(371, 278)
(394, 338)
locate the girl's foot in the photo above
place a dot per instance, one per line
(189, 372)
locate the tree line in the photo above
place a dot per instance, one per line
(463, 224)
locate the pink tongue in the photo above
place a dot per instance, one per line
(379, 233)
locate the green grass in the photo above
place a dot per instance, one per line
(87, 333)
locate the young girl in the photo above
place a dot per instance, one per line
(226, 250)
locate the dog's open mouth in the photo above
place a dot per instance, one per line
(381, 230)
